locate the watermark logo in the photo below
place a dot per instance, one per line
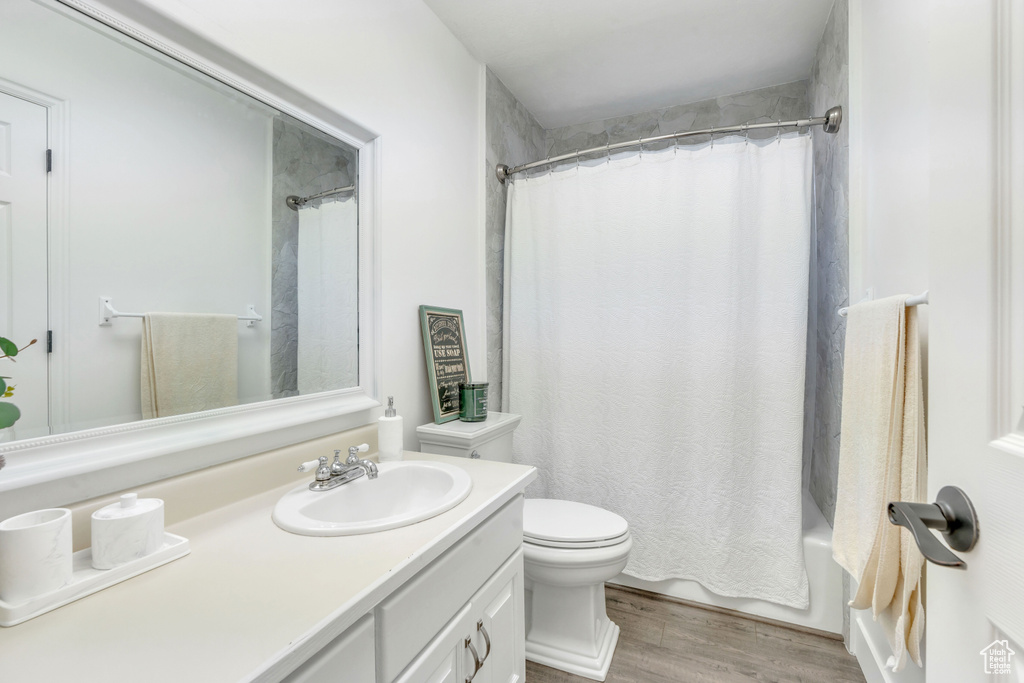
(997, 657)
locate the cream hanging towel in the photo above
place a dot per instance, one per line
(189, 363)
(882, 459)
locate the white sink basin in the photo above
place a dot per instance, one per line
(403, 493)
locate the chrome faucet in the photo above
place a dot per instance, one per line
(338, 473)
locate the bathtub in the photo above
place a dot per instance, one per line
(824, 576)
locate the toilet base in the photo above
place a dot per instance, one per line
(595, 668)
(567, 628)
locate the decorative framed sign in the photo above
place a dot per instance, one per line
(447, 363)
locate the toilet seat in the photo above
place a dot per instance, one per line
(566, 524)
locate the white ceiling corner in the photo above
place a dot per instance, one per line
(573, 61)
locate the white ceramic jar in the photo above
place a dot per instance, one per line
(126, 531)
(35, 554)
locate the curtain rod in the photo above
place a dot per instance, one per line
(294, 201)
(830, 122)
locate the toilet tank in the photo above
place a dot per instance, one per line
(490, 439)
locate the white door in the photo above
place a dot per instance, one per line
(23, 264)
(976, 329)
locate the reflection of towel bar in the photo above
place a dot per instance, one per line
(911, 301)
(108, 313)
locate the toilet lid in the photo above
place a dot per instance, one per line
(564, 521)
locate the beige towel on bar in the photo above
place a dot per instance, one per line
(882, 459)
(189, 363)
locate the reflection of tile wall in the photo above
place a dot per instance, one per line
(304, 163)
(513, 137)
(829, 85)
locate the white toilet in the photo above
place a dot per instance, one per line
(570, 550)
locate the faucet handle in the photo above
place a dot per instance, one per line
(323, 472)
(353, 458)
(309, 465)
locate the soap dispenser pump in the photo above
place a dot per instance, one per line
(389, 434)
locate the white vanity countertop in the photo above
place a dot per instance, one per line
(250, 602)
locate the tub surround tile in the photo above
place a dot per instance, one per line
(513, 137)
(828, 86)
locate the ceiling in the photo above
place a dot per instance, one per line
(573, 61)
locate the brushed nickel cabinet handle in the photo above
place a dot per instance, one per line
(487, 639)
(477, 664)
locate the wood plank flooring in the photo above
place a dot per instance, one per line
(664, 641)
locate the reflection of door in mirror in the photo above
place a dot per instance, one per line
(167, 196)
(23, 139)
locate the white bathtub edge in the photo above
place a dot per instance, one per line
(825, 579)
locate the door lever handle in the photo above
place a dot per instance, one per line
(952, 513)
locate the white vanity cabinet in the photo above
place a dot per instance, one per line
(460, 617)
(481, 643)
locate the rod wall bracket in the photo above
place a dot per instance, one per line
(501, 170)
(833, 119)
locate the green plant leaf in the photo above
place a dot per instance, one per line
(9, 414)
(3, 386)
(8, 347)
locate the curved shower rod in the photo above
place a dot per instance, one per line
(830, 123)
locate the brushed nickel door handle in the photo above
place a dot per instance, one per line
(952, 513)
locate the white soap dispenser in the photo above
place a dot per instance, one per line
(389, 434)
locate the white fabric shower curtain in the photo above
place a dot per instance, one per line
(328, 294)
(655, 322)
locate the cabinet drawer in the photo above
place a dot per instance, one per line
(414, 614)
(346, 659)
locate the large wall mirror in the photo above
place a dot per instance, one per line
(175, 246)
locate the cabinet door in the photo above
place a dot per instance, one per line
(498, 608)
(443, 660)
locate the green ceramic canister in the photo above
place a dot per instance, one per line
(473, 397)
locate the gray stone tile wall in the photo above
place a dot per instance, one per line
(513, 137)
(788, 101)
(829, 85)
(305, 162)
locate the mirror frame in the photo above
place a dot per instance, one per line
(64, 468)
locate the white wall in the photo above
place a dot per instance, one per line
(889, 156)
(394, 68)
(889, 198)
(144, 142)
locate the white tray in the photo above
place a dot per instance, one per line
(85, 580)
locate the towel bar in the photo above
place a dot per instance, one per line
(911, 301)
(108, 313)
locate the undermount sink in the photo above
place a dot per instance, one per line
(403, 493)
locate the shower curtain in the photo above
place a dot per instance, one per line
(328, 291)
(655, 322)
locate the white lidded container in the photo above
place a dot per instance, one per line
(490, 439)
(126, 531)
